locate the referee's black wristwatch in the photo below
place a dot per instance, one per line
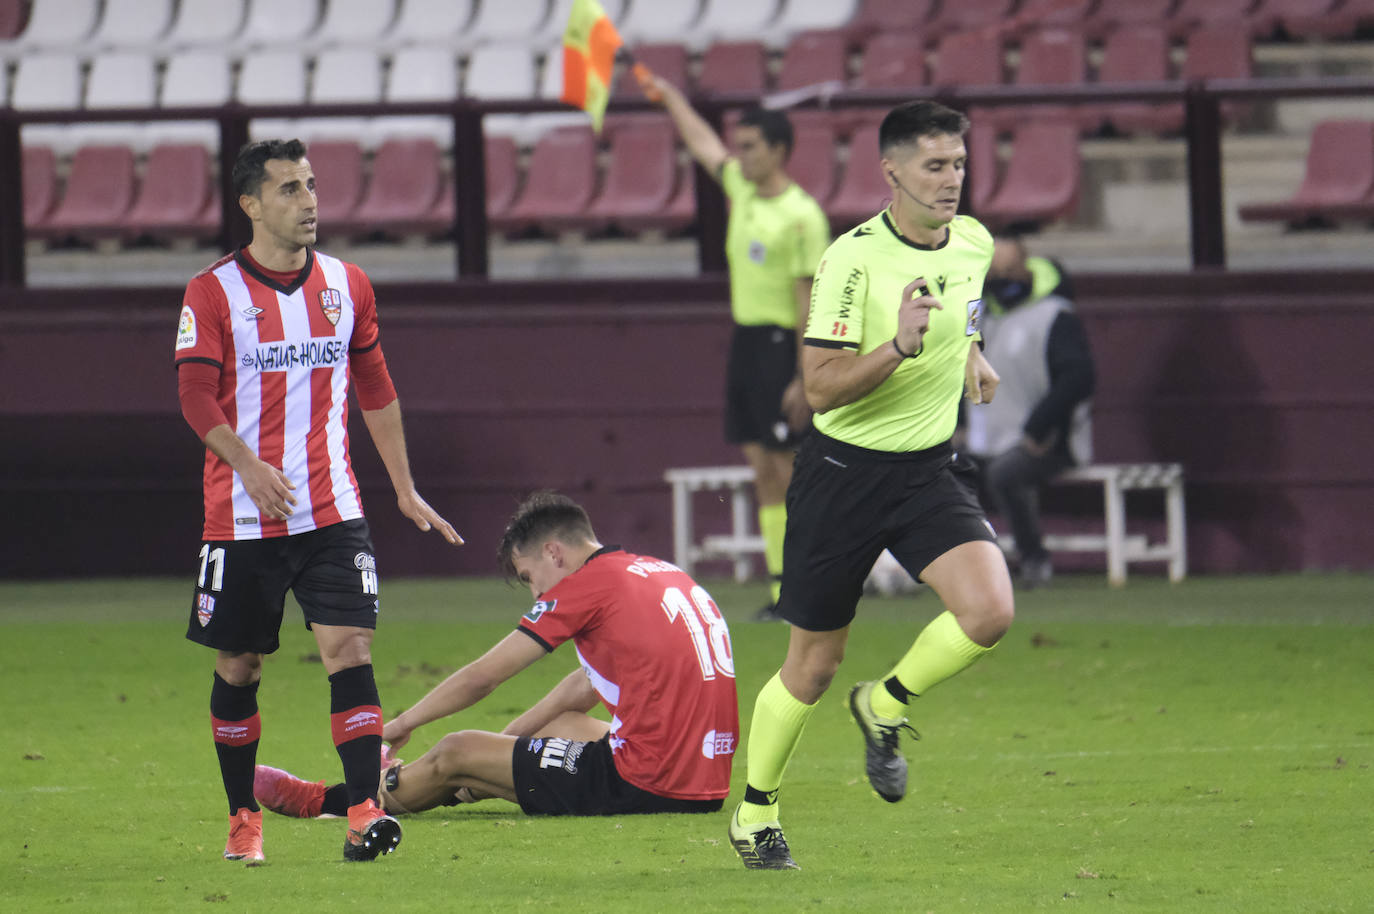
(908, 355)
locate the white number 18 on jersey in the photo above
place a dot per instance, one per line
(707, 627)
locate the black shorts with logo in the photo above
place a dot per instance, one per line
(241, 585)
(846, 504)
(763, 361)
(564, 777)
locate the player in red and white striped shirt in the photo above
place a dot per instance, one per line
(654, 650)
(267, 344)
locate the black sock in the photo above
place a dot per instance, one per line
(335, 801)
(236, 726)
(759, 797)
(897, 690)
(356, 722)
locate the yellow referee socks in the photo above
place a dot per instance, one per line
(941, 650)
(779, 720)
(773, 527)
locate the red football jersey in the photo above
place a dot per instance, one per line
(283, 356)
(657, 649)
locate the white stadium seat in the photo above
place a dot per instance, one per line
(272, 76)
(355, 21)
(506, 21)
(430, 21)
(276, 22)
(207, 22)
(58, 24)
(199, 76)
(133, 23)
(552, 32)
(651, 21)
(47, 79)
(346, 75)
(420, 74)
(122, 79)
(807, 15)
(731, 20)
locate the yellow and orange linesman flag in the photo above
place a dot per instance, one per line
(589, 47)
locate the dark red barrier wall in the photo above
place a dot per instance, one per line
(1261, 385)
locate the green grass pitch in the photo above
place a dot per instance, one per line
(1199, 747)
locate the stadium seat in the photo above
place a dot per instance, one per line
(431, 21)
(132, 24)
(57, 24)
(171, 200)
(969, 59)
(734, 66)
(47, 79)
(984, 166)
(279, 22)
(196, 77)
(407, 177)
(272, 76)
(352, 74)
(122, 79)
(39, 184)
(1343, 20)
(1339, 178)
(677, 215)
(1134, 53)
(1040, 14)
(355, 22)
(862, 190)
(420, 74)
(99, 191)
(556, 22)
(892, 60)
(206, 23)
(559, 183)
(501, 71)
(731, 20)
(812, 15)
(1220, 51)
(991, 16)
(640, 174)
(13, 15)
(1049, 57)
(874, 17)
(1191, 14)
(1112, 14)
(812, 163)
(503, 175)
(659, 21)
(338, 168)
(1040, 183)
(813, 57)
(506, 21)
(667, 60)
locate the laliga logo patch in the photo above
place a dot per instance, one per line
(205, 608)
(975, 317)
(331, 303)
(539, 609)
(186, 329)
(757, 252)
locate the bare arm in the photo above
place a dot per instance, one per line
(837, 377)
(794, 405)
(573, 693)
(699, 137)
(265, 484)
(388, 435)
(466, 687)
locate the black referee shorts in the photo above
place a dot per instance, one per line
(566, 777)
(846, 504)
(763, 361)
(241, 586)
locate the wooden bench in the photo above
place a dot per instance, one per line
(740, 545)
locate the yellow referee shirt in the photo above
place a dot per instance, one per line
(854, 302)
(770, 243)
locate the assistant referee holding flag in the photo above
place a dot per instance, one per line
(891, 343)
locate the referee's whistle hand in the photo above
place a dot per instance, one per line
(913, 315)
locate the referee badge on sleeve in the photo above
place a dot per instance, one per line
(975, 317)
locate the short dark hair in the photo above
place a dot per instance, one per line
(250, 168)
(543, 515)
(910, 121)
(773, 124)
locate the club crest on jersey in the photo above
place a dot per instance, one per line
(205, 608)
(538, 609)
(331, 303)
(975, 317)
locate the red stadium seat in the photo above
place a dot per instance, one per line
(1191, 14)
(171, 202)
(100, 189)
(503, 176)
(1112, 14)
(892, 60)
(1339, 180)
(1316, 18)
(812, 164)
(407, 175)
(39, 185)
(1039, 14)
(984, 170)
(559, 183)
(813, 57)
(641, 174)
(991, 16)
(338, 168)
(877, 16)
(862, 192)
(677, 215)
(969, 59)
(13, 15)
(1220, 51)
(666, 60)
(734, 66)
(1041, 180)
(1135, 53)
(1049, 57)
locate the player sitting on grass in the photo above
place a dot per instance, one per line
(654, 650)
